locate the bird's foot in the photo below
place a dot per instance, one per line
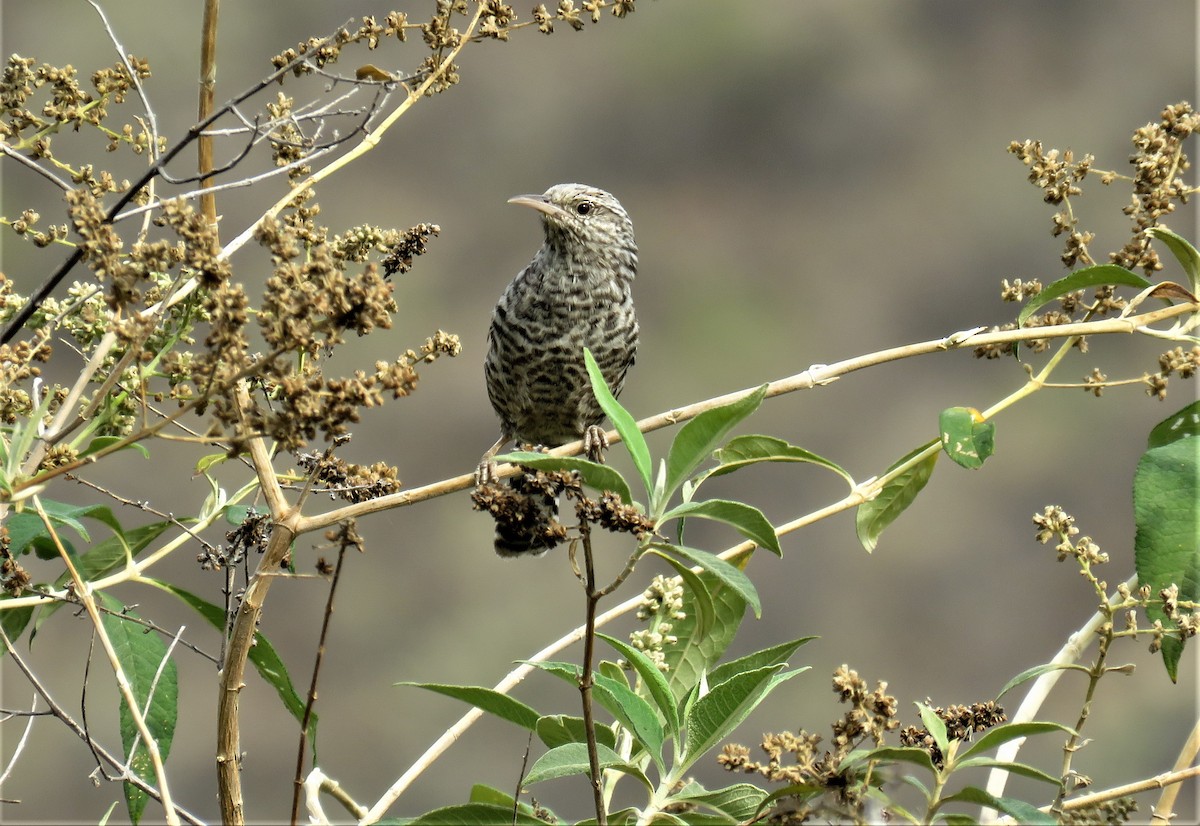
(485, 474)
(595, 443)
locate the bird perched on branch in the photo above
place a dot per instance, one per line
(575, 293)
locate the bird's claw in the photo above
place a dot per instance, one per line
(485, 474)
(595, 443)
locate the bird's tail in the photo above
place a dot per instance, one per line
(529, 526)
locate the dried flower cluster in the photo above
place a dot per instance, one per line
(961, 723)
(1158, 162)
(351, 482)
(798, 759)
(1053, 522)
(523, 504)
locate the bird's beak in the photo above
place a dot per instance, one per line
(540, 203)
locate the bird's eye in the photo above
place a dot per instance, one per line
(583, 207)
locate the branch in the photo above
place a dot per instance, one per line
(813, 377)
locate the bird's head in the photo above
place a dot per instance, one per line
(576, 213)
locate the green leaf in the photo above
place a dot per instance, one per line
(800, 792)
(262, 656)
(1019, 810)
(14, 622)
(625, 424)
(744, 451)
(699, 644)
(1178, 425)
(596, 476)
(727, 574)
(714, 716)
(206, 463)
(1013, 768)
(486, 699)
(998, 736)
(572, 758)
(698, 601)
(935, 726)
(102, 442)
(740, 801)
(237, 514)
(888, 754)
(653, 679)
(700, 437)
(27, 526)
(560, 729)
(632, 712)
(141, 654)
(481, 793)
(102, 559)
(966, 437)
(1037, 671)
(1166, 511)
(775, 655)
(1183, 251)
(746, 519)
(1096, 276)
(895, 497)
(474, 814)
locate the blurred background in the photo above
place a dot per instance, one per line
(809, 182)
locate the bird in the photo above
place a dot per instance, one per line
(575, 293)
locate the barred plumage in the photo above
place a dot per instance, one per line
(575, 293)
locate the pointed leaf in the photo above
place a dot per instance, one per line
(573, 759)
(775, 655)
(700, 646)
(1012, 768)
(740, 801)
(1019, 810)
(653, 679)
(1037, 671)
(743, 451)
(888, 754)
(624, 423)
(559, 729)
(595, 476)
(746, 519)
(698, 602)
(632, 712)
(1184, 423)
(935, 726)
(486, 699)
(998, 736)
(1096, 276)
(141, 655)
(895, 497)
(719, 568)
(966, 437)
(474, 814)
(701, 436)
(101, 442)
(714, 716)
(1183, 251)
(1166, 510)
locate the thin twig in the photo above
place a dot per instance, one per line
(208, 90)
(311, 701)
(123, 685)
(20, 747)
(587, 677)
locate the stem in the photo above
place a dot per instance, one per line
(586, 679)
(1187, 755)
(208, 88)
(312, 688)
